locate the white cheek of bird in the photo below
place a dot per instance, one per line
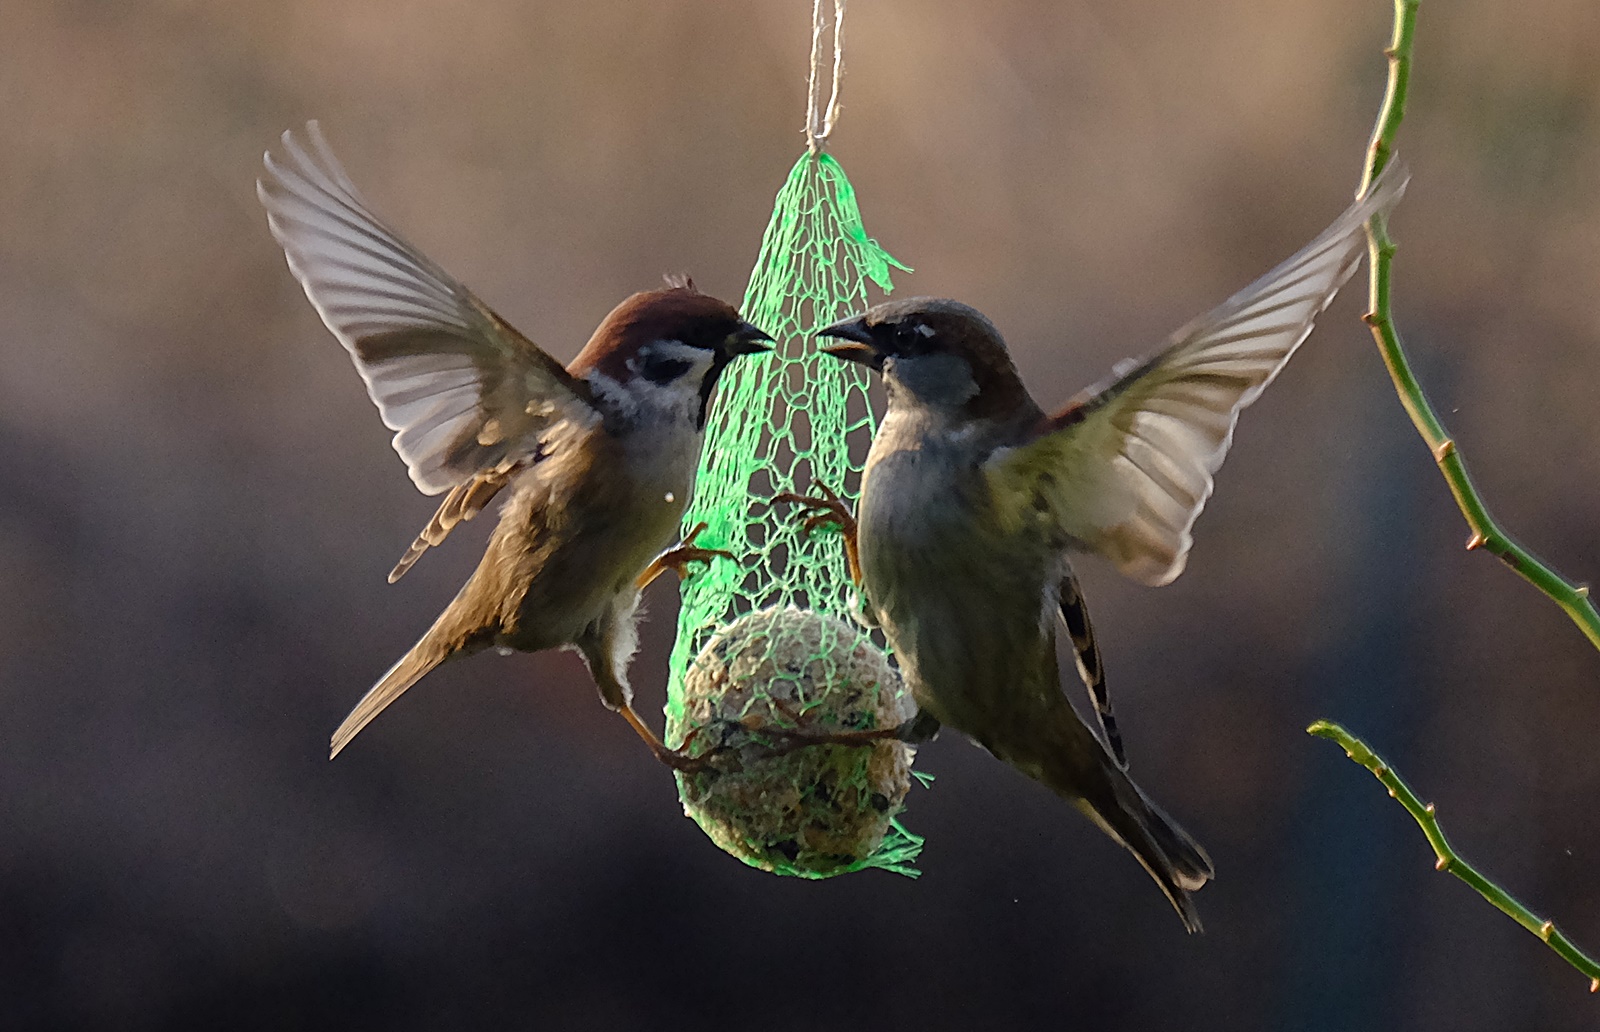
(814, 811)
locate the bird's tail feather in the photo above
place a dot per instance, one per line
(1081, 770)
(423, 657)
(1171, 855)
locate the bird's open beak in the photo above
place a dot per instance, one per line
(748, 340)
(860, 348)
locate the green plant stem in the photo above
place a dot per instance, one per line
(1486, 532)
(1449, 860)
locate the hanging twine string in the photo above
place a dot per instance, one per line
(820, 117)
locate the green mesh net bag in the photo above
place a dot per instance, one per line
(768, 643)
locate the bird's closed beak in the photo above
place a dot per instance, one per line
(748, 340)
(861, 349)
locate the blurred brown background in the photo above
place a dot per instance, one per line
(198, 506)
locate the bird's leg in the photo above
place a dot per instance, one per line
(618, 696)
(915, 731)
(788, 741)
(605, 654)
(678, 557)
(678, 759)
(829, 510)
(779, 741)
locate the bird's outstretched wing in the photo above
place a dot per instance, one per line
(1125, 468)
(469, 398)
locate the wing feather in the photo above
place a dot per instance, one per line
(1075, 615)
(1127, 466)
(463, 391)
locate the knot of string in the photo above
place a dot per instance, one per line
(820, 117)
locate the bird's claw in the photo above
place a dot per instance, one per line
(678, 557)
(828, 510)
(680, 760)
(683, 760)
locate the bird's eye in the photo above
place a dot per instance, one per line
(912, 337)
(662, 368)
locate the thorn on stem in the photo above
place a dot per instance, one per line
(1442, 864)
(1430, 810)
(1372, 319)
(1594, 985)
(1582, 591)
(1546, 929)
(1476, 541)
(1446, 448)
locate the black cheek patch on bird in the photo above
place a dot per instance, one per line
(719, 362)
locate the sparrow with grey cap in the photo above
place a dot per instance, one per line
(596, 459)
(973, 498)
